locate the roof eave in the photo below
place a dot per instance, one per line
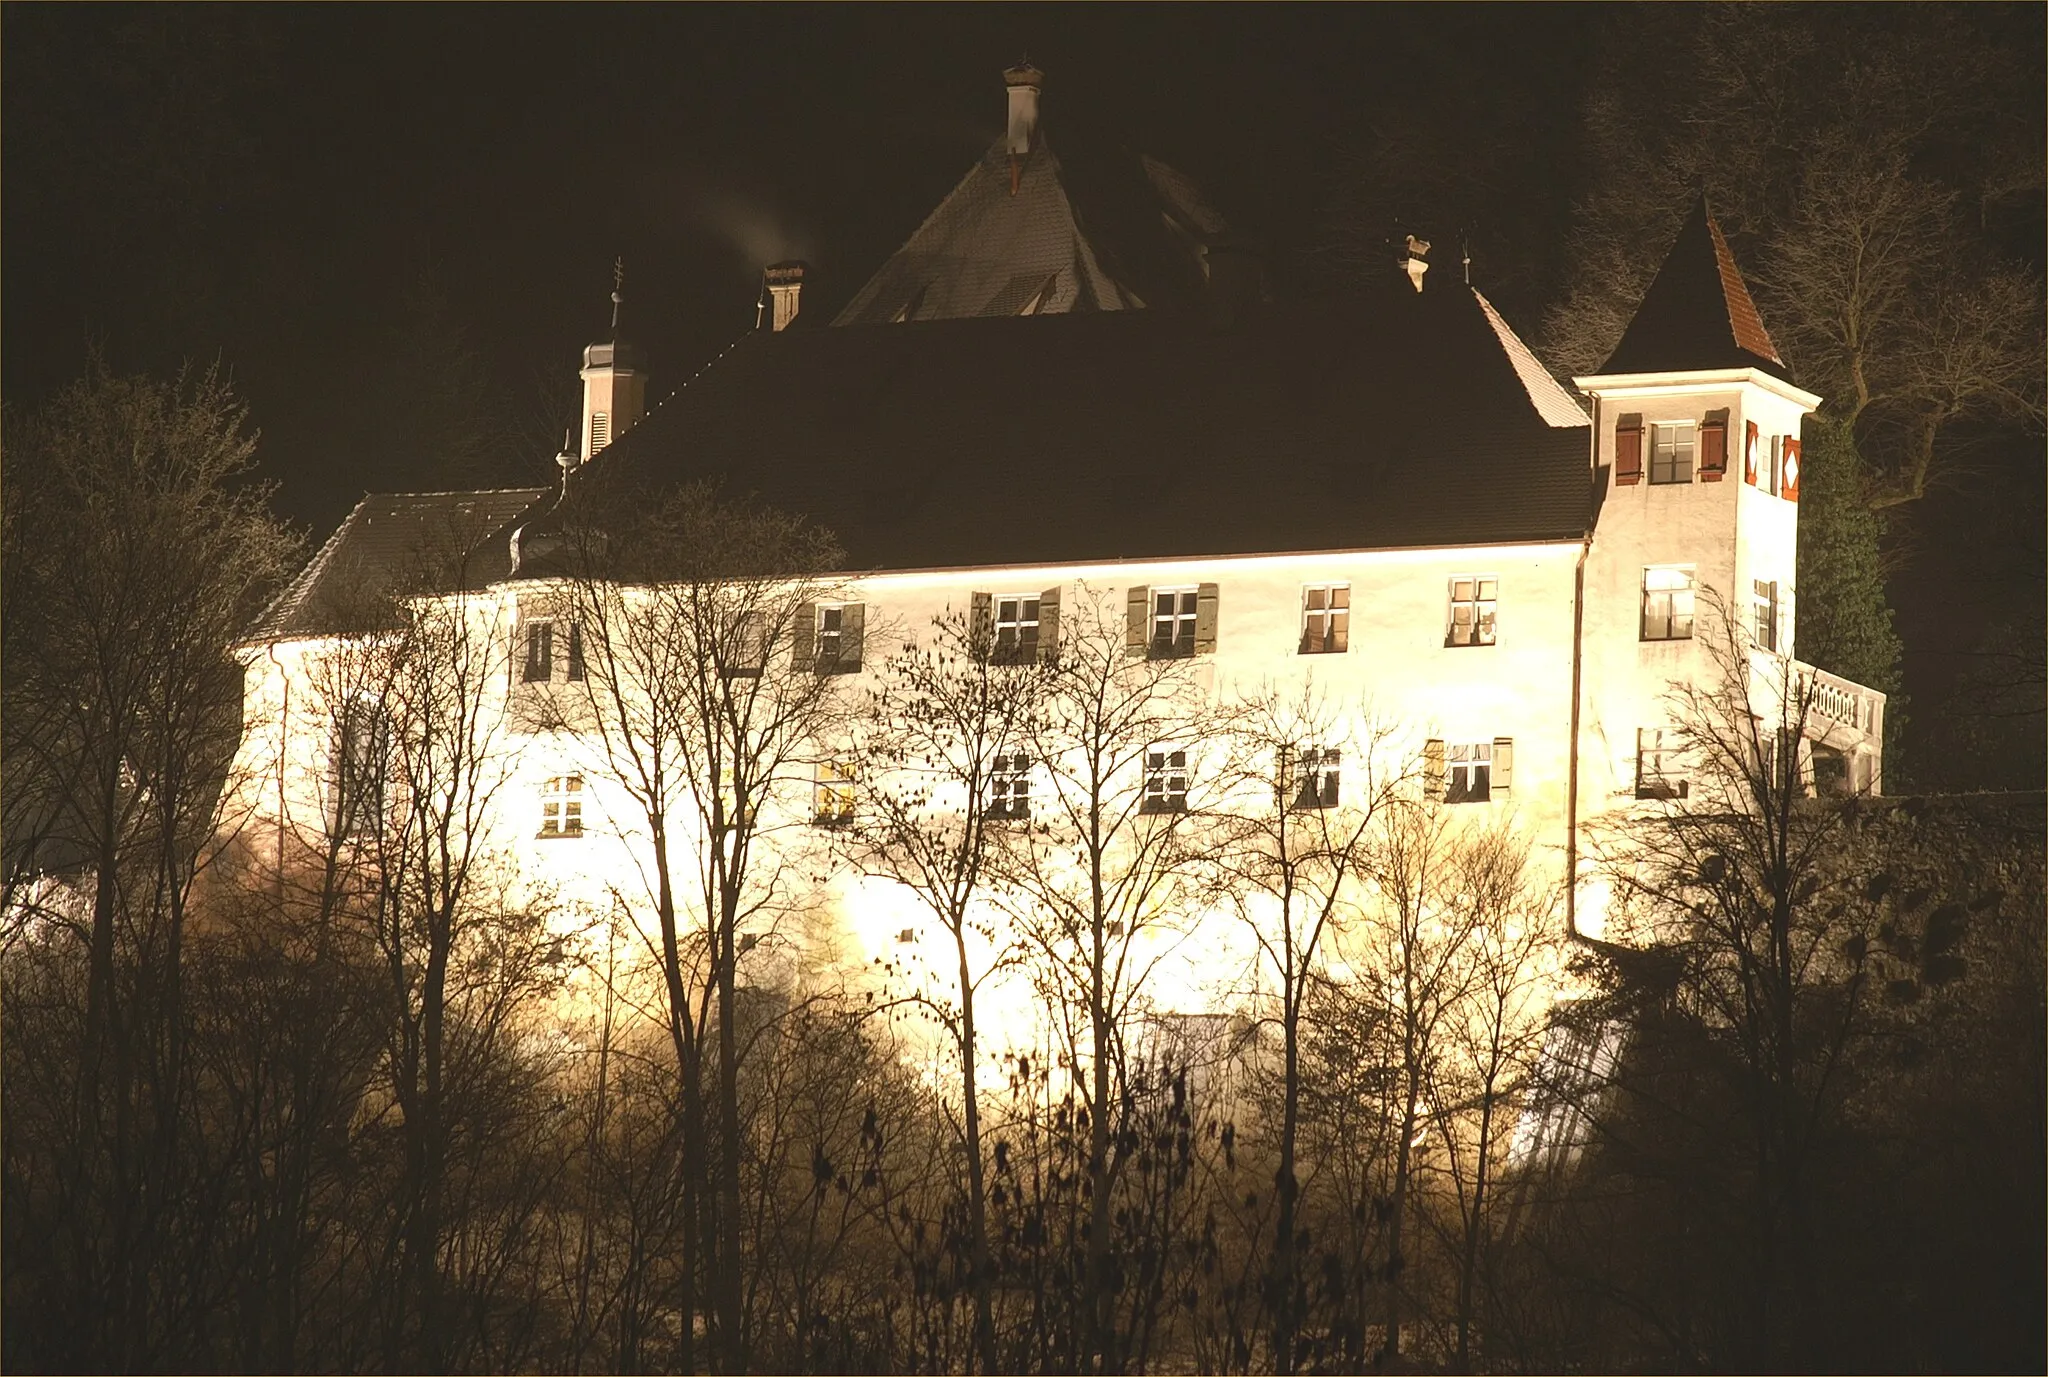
(1671, 382)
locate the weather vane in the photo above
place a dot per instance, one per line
(618, 289)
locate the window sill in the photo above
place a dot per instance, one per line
(1468, 645)
(1151, 809)
(559, 836)
(1322, 650)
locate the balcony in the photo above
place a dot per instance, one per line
(1844, 722)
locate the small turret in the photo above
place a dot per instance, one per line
(614, 383)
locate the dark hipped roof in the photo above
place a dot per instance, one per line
(1393, 419)
(397, 542)
(1697, 314)
(1091, 227)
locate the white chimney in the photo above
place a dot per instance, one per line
(1023, 81)
(1414, 261)
(785, 285)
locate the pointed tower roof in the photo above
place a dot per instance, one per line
(1032, 232)
(1698, 314)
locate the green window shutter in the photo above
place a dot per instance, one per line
(1049, 624)
(1137, 619)
(1503, 770)
(852, 620)
(1433, 768)
(981, 624)
(1205, 619)
(804, 637)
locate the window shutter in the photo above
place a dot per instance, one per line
(540, 651)
(1205, 619)
(1789, 481)
(1751, 441)
(576, 650)
(1137, 619)
(1433, 768)
(1628, 448)
(981, 624)
(1503, 771)
(803, 637)
(1049, 624)
(852, 618)
(1714, 446)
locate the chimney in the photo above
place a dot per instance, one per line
(614, 385)
(1412, 260)
(785, 283)
(1023, 81)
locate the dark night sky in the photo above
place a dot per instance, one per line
(270, 186)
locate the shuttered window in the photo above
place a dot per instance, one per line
(1628, 448)
(828, 637)
(600, 430)
(1714, 446)
(1171, 623)
(1016, 628)
(1671, 452)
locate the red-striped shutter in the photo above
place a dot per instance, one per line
(1751, 442)
(1789, 481)
(1628, 448)
(1714, 446)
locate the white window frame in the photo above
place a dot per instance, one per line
(1325, 618)
(1674, 444)
(1014, 619)
(831, 633)
(1765, 612)
(1668, 602)
(1313, 779)
(1178, 623)
(833, 794)
(1468, 771)
(1660, 769)
(1480, 607)
(1166, 780)
(1009, 787)
(362, 768)
(561, 806)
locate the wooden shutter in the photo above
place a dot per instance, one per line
(1205, 619)
(1049, 624)
(1433, 768)
(1501, 777)
(1137, 619)
(1714, 446)
(803, 637)
(1751, 442)
(1628, 448)
(1788, 482)
(981, 624)
(852, 618)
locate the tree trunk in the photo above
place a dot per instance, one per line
(977, 1196)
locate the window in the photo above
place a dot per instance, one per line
(1173, 623)
(840, 627)
(1016, 629)
(1658, 772)
(832, 795)
(746, 647)
(1473, 599)
(1468, 772)
(1667, 603)
(1311, 780)
(1764, 621)
(1009, 787)
(561, 807)
(1166, 782)
(362, 754)
(540, 652)
(1671, 448)
(1325, 618)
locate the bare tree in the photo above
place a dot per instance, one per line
(687, 617)
(946, 749)
(1110, 869)
(1312, 780)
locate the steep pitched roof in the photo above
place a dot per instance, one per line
(1398, 419)
(392, 542)
(1089, 228)
(1698, 314)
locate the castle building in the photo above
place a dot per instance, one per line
(1070, 384)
